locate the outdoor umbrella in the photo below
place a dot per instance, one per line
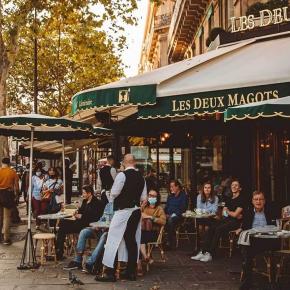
(42, 127)
(264, 109)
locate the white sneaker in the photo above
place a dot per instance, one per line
(198, 256)
(206, 257)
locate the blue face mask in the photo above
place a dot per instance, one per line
(152, 200)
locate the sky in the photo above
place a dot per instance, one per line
(131, 56)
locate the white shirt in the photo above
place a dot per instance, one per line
(113, 172)
(119, 184)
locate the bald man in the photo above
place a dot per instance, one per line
(128, 192)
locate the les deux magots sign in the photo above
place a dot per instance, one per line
(267, 17)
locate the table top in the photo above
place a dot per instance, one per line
(272, 233)
(100, 225)
(54, 216)
(194, 215)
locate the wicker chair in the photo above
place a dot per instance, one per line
(283, 254)
(157, 244)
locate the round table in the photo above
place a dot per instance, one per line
(271, 234)
(54, 216)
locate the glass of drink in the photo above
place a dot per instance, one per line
(279, 224)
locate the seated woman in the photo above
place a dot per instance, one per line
(207, 202)
(153, 218)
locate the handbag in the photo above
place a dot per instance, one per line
(46, 195)
(147, 223)
(7, 198)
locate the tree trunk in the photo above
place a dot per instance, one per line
(4, 68)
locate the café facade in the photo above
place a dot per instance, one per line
(172, 120)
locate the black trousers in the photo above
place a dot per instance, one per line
(66, 227)
(218, 228)
(258, 246)
(130, 241)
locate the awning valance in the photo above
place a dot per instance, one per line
(212, 102)
(264, 109)
(255, 71)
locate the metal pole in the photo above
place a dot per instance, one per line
(63, 168)
(35, 72)
(30, 178)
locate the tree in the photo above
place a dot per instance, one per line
(72, 55)
(16, 16)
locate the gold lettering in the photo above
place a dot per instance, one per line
(278, 18)
(212, 102)
(276, 94)
(250, 98)
(197, 103)
(262, 17)
(243, 23)
(233, 100)
(285, 13)
(233, 23)
(261, 95)
(221, 101)
(174, 106)
(242, 100)
(268, 95)
(205, 104)
(182, 105)
(187, 105)
(251, 22)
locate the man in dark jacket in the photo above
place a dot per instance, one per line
(258, 215)
(90, 211)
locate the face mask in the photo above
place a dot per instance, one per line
(152, 200)
(51, 176)
(38, 173)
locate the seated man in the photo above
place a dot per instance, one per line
(175, 206)
(90, 211)
(86, 234)
(232, 213)
(258, 215)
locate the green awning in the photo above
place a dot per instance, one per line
(265, 109)
(114, 97)
(211, 102)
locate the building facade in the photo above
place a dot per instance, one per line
(257, 153)
(180, 29)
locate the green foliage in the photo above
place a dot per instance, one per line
(272, 4)
(74, 50)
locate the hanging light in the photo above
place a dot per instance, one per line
(166, 135)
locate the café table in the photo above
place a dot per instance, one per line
(193, 217)
(55, 216)
(270, 233)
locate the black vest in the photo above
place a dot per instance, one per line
(106, 177)
(132, 190)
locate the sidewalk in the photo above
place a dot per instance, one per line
(178, 272)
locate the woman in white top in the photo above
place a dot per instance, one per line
(39, 207)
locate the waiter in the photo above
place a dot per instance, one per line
(128, 191)
(107, 176)
(108, 173)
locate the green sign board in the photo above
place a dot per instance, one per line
(211, 102)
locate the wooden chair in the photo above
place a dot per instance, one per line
(157, 244)
(283, 254)
(47, 246)
(71, 243)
